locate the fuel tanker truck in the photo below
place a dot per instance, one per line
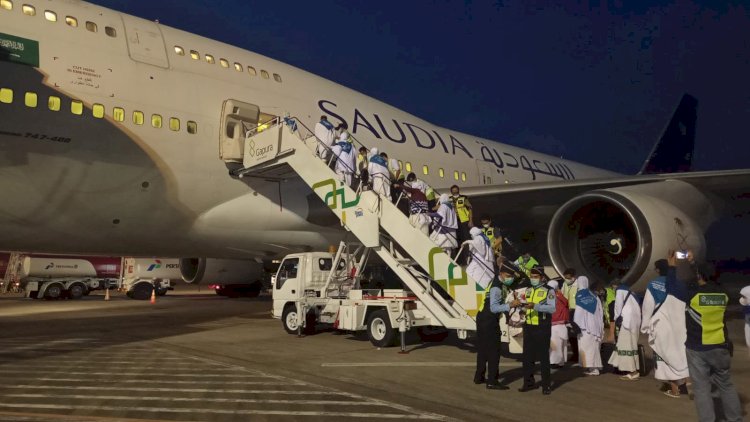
(57, 277)
(141, 276)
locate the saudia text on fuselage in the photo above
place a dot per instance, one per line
(423, 138)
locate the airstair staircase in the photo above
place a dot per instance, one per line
(11, 272)
(377, 223)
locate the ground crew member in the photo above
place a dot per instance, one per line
(492, 233)
(707, 344)
(488, 330)
(537, 330)
(526, 262)
(465, 219)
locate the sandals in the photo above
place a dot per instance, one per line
(669, 393)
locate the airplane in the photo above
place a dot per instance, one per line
(118, 136)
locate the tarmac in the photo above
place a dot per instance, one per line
(195, 356)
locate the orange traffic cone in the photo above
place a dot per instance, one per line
(153, 296)
(106, 295)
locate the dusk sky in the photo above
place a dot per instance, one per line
(593, 83)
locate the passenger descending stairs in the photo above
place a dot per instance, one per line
(376, 222)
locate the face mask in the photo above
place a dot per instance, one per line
(534, 281)
(569, 280)
(485, 225)
(508, 281)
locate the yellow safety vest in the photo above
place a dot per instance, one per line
(710, 307)
(525, 265)
(486, 297)
(490, 233)
(462, 212)
(536, 295)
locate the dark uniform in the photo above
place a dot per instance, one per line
(537, 331)
(488, 336)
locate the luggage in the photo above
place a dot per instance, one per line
(606, 352)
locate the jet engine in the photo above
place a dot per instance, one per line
(228, 277)
(620, 232)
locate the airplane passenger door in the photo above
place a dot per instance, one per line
(237, 118)
(489, 174)
(145, 41)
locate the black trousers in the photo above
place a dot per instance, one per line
(488, 347)
(536, 349)
(573, 342)
(463, 235)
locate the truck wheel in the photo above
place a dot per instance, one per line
(161, 292)
(76, 291)
(431, 334)
(291, 322)
(142, 291)
(53, 292)
(379, 329)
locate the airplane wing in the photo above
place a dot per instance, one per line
(588, 236)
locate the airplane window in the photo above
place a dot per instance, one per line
(455, 175)
(425, 170)
(50, 16)
(112, 32)
(28, 10)
(277, 77)
(251, 71)
(192, 127)
(31, 99)
(237, 67)
(76, 107)
(71, 21)
(156, 121)
(98, 111)
(6, 95)
(174, 124)
(463, 176)
(54, 103)
(195, 55)
(179, 50)
(264, 74)
(118, 114)
(442, 172)
(210, 59)
(138, 117)
(6, 4)
(408, 166)
(224, 63)
(91, 26)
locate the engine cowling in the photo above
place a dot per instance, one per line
(620, 232)
(220, 271)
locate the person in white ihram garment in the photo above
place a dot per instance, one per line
(345, 159)
(745, 302)
(628, 318)
(589, 316)
(324, 133)
(445, 225)
(481, 268)
(665, 327)
(380, 177)
(558, 345)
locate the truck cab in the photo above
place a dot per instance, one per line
(300, 273)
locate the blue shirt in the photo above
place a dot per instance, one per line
(496, 301)
(548, 305)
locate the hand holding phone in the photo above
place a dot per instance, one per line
(681, 254)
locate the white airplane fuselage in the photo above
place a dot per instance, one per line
(90, 184)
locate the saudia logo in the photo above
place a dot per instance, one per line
(258, 152)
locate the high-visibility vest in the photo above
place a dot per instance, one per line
(710, 308)
(486, 301)
(537, 295)
(526, 265)
(490, 233)
(462, 212)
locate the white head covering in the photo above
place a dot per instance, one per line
(583, 282)
(553, 284)
(445, 199)
(475, 231)
(374, 151)
(344, 136)
(591, 324)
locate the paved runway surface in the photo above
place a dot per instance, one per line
(199, 357)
